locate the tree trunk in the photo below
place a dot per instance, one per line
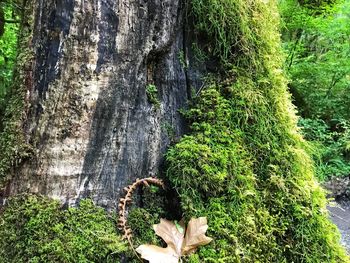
(90, 121)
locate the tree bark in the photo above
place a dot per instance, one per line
(89, 119)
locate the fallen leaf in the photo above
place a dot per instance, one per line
(168, 231)
(155, 254)
(195, 235)
(178, 243)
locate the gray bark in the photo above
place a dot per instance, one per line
(89, 119)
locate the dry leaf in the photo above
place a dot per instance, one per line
(195, 235)
(155, 254)
(178, 244)
(167, 230)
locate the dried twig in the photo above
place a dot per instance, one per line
(123, 202)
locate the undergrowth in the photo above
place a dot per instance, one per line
(37, 229)
(330, 146)
(245, 165)
(317, 62)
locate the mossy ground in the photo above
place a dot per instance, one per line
(245, 166)
(146, 212)
(37, 229)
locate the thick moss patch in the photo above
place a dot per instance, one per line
(37, 229)
(245, 165)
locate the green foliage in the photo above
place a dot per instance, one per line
(331, 150)
(318, 66)
(317, 6)
(245, 166)
(8, 51)
(37, 229)
(152, 95)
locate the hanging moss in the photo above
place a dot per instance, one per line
(245, 165)
(37, 229)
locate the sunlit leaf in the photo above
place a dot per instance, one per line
(178, 243)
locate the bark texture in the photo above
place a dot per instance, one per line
(89, 119)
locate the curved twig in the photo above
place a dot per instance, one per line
(123, 202)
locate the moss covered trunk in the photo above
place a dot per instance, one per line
(106, 83)
(103, 91)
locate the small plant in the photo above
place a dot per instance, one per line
(152, 95)
(179, 243)
(170, 130)
(182, 59)
(199, 54)
(330, 146)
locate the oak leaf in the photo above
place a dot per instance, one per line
(195, 235)
(155, 254)
(179, 243)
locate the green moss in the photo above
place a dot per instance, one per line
(182, 59)
(152, 95)
(199, 55)
(141, 221)
(37, 229)
(143, 216)
(245, 166)
(13, 146)
(169, 130)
